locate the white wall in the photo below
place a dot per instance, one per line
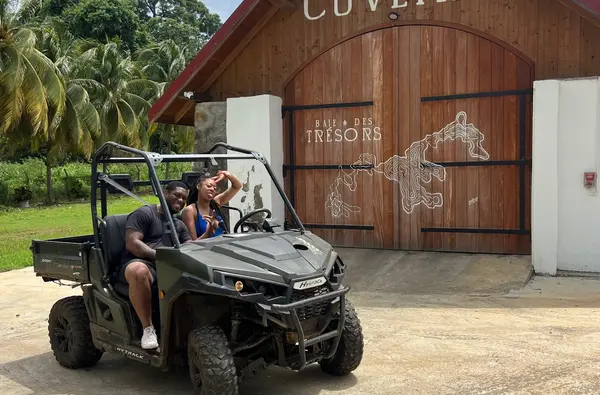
(255, 123)
(566, 141)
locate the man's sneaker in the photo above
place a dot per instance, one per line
(149, 340)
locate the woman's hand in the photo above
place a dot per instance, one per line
(236, 185)
(212, 222)
(221, 175)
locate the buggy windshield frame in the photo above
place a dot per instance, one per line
(103, 156)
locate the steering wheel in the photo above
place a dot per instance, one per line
(247, 216)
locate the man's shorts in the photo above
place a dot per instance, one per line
(149, 265)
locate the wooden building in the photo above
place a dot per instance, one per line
(407, 122)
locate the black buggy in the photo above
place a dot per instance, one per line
(224, 307)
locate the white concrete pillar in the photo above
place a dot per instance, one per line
(255, 123)
(544, 194)
(578, 152)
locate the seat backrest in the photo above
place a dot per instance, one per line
(113, 239)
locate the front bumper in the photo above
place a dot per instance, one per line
(291, 309)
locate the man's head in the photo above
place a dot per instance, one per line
(176, 194)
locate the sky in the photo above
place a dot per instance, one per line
(222, 7)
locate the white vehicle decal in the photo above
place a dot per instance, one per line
(310, 283)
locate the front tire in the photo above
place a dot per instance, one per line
(349, 353)
(70, 334)
(211, 364)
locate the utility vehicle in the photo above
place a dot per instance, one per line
(269, 293)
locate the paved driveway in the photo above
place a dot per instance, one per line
(542, 339)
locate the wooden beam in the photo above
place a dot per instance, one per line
(285, 4)
(582, 10)
(183, 110)
(170, 120)
(197, 97)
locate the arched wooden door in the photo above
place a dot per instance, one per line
(413, 137)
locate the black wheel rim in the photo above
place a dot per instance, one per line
(63, 335)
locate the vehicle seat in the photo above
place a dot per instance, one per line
(113, 245)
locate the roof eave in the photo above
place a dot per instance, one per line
(176, 88)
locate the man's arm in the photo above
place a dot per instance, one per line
(137, 247)
(137, 224)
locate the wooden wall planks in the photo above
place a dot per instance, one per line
(560, 41)
(461, 46)
(395, 68)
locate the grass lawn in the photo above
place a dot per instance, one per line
(18, 227)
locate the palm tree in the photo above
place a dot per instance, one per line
(29, 81)
(163, 63)
(118, 91)
(73, 130)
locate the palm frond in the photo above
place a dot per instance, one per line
(137, 103)
(130, 117)
(11, 79)
(93, 87)
(51, 79)
(185, 137)
(35, 99)
(144, 55)
(146, 89)
(28, 10)
(24, 39)
(155, 72)
(90, 119)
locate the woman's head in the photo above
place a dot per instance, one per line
(204, 188)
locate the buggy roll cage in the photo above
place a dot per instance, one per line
(152, 159)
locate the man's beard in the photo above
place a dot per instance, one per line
(170, 206)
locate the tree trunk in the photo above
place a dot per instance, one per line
(49, 194)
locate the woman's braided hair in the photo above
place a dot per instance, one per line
(193, 196)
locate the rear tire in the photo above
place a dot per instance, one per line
(348, 355)
(211, 364)
(70, 334)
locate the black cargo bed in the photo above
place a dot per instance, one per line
(63, 258)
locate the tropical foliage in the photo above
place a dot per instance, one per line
(77, 73)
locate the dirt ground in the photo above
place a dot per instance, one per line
(540, 339)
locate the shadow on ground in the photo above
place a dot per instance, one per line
(42, 375)
(430, 273)
(405, 279)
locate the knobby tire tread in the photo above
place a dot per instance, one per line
(83, 353)
(215, 360)
(349, 353)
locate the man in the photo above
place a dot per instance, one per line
(144, 232)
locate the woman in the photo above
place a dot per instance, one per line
(201, 220)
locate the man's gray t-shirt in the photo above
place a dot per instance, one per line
(147, 221)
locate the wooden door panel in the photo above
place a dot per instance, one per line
(431, 103)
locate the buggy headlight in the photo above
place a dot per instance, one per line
(254, 286)
(239, 286)
(245, 285)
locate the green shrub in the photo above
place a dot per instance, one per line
(22, 194)
(69, 181)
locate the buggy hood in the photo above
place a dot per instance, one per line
(278, 257)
